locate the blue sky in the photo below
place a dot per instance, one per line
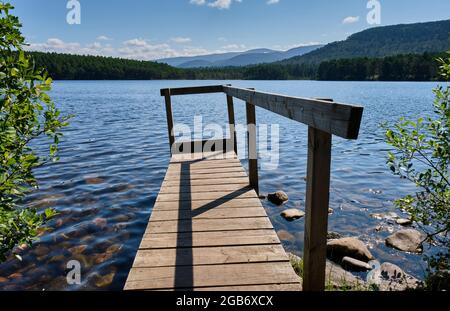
(152, 29)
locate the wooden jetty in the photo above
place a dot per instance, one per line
(208, 229)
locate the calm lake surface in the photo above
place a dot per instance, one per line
(115, 153)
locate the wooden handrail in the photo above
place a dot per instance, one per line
(193, 90)
(338, 119)
(324, 118)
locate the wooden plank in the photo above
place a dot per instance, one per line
(211, 275)
(209, 255)
(198, 204)
(317, 201)
(255, 288)
(335, 118)
(203, 225)
(206, 164)
(216, 155)
(209, 176)
(169, 116)
(211, 170)
(222, 195)
(252, 147)
(210, 145)
(215, 213)
(202, 182)
(203, 188)
(232, 122)
(214, 238)
(193, 90)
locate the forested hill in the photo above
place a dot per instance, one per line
(411, 67)
(78, 67)
(384, 41)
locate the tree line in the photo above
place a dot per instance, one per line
(409, 67)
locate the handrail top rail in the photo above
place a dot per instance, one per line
(339, 119)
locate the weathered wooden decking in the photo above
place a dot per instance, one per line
(209, 231)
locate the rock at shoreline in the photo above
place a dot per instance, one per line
(338, 278)
(388, 216)
(389, 277)
(331, 235)
(292, 214)
(351, 247)
(404, 222)
(352, 264)
(335, 276)
(407, 240)
(278, 197)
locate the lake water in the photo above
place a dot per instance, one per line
(115, 153)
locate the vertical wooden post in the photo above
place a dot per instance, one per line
(252, 148)
(232, 122)
(317, 200)
(169, 118)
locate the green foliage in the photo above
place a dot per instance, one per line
(384, 41)
(396, 68)
(423, 157)
(409, 67)
(26, 113)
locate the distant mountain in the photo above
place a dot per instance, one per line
(383, 41)
(251, 57)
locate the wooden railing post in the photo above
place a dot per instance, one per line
(317, 200)
(232, 122)
(252, 147)
(169, 118)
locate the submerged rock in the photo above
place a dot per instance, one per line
(351, 247)
(94, 180)
(41, 250)
(278, 197)
(389, 277)
(407, 240)
(404, 222)
(103, 281)
(100, 222)
(353, 264)
(285, 236)
(292, 214)
(77, 249)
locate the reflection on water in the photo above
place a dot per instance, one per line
(115, 152)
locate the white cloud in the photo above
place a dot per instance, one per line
(181, 40)
(218, 4)
(136, 48)
(269, 2)
(198, 2)
(350, 20)
(103, 38)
